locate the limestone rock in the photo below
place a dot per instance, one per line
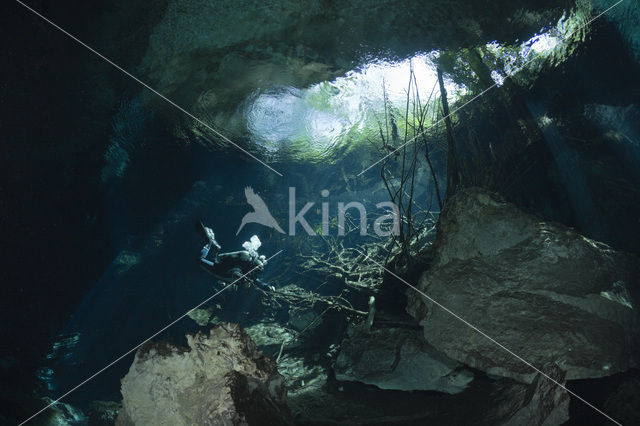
(540, 289)
(202, 317)
(396, 359)
(63, 414)
(543, 402)
(302, 378)
(221, 379)
(269, 336)
(303, 320)
(104, 413)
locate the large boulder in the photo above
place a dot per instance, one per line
(540, 289)
(221, 379)
(397, 359)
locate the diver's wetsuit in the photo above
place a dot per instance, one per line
(232, 266)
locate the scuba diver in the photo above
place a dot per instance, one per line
(245, 264)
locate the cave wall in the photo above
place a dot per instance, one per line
(567, 147)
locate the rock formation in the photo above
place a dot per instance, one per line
(540, 289)
(221, 379)
(542, 403)
(395, 358)
(104, 413)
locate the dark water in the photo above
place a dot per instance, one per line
(101, 250)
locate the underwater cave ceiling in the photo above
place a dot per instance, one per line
(211, 56)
